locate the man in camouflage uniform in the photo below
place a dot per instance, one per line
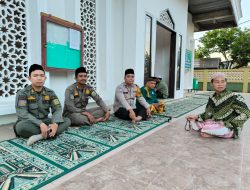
(33, 105)
(126, 95)
(76, 101)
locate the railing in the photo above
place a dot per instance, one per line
(237, 79)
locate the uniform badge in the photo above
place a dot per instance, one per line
(22, 103)
(71, 96)
(56, 102)
(31, 98)
(87, 92)
(76, 93)
(46, 98)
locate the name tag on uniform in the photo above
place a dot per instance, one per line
(125, 92)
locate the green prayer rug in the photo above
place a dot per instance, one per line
(67, 151)
(20, 169)
(31, 167)
(138, 128)
(177, 108)
(103, 134)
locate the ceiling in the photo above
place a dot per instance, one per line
(211, 14)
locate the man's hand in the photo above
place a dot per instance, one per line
(192, 117)
(90, 117)
(132, 114)
(106, 116)
(148, 112)
(53, 128)
(44, 129)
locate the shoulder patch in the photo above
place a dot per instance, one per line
(93, 94)
(55, 102)
(72, 96)
(22, 103)
(138, 93)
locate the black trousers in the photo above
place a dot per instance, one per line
(122, 113)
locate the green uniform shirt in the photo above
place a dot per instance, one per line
(149, 95)
(76, 100)
(162, 87)
(35, 106)
(228, 107)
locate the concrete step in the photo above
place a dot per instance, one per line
(8, 119)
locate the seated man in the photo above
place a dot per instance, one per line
(126, 95)
(148, 92)
(225, 113)
(76, 101)
(33, 105)
(161, 88)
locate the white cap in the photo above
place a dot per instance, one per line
(159, 76)
(218, 74)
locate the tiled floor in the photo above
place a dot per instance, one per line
(170, 158)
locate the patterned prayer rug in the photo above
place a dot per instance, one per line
(179, 107)
(20, 169)
(31, 167)
(138, 128)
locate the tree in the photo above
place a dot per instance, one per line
(232, 43)
(240, 49)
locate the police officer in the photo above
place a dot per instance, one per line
(126, 95)
(76, 101)
(33, 105)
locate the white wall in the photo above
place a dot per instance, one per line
(178, 10)
(120, 40)
(190, 46)
(120, 43)
(65, 9)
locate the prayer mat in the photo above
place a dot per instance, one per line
(138, 128)
(67, 151)
(32, 167)
(20, 169)
(179, 107)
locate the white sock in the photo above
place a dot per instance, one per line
(34, 139)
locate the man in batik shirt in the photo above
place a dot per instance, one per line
(225, 113)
